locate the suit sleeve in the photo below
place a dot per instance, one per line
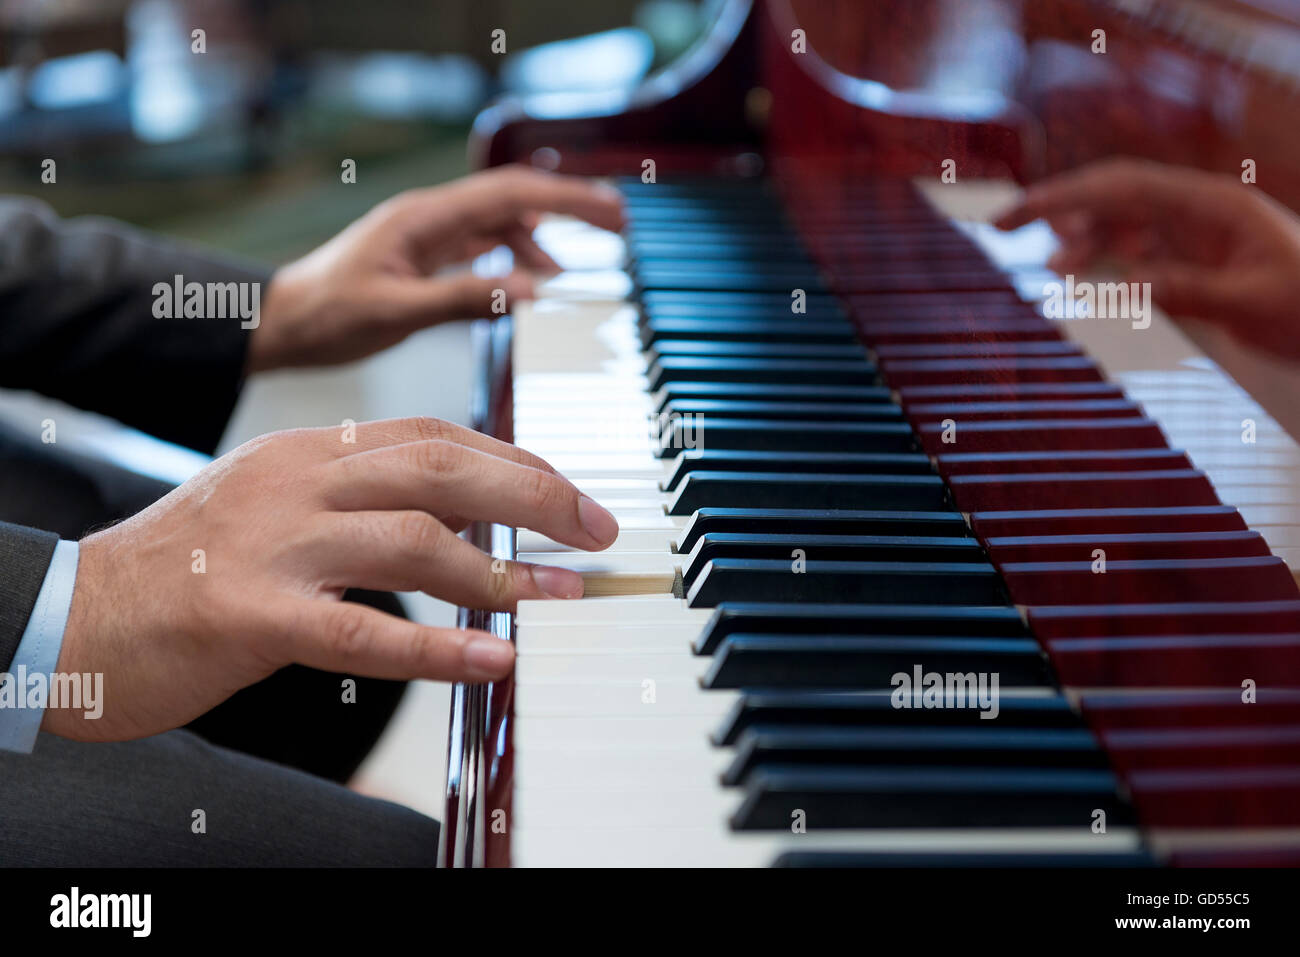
(77, 324)
(25, 555)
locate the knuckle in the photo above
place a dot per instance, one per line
(429, 428)
(270, 451)
(517, 183)
(542, 491)
(347, 635)
(428, 652)
(515, 174)
(400, 202)
(436, 456)
(419, 532)
(422, 651)
(262, 444)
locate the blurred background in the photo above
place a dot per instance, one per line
(241, 147)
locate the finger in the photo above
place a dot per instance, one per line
(1073, 256)
(344, 637)
(445, 477)
(1190, 291)
(412, 551)
(518, 237)
(1072, 225)
(421, 302)
(1119, 187)
(528, 253)
(368, 436)
(500, 197)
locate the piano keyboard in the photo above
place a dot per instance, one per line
(805, 519)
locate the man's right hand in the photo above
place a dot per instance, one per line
(239, 572)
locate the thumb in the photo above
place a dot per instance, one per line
(426, 302)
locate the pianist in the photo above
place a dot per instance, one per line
(237, 575)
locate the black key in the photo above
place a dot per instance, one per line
(929, 797)
(839, 548)
(760, 247)
(640, 205)
(655, 277)
(819, 521)
(870, 662)
(1008, 391)
(816, 308)
(790, 392)
(996, 411)
(943, 583)
(807, 411)
(696, 223)
(770, 618)
(853, 463)
(978, 348)
(988, 746)
(795, 274)
(1110, 460)
(874, 709)
(779, 302)
(923, 278)
(753, 490)
(782, 435)
(758, 350)
(714, 369)
(746, 330)
(671, 216)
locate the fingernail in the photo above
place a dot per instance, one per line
(600, 525)
(557, 582)
(489, 657)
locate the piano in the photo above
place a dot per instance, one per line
(909, 574)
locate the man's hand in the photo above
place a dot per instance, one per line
(373, 284)
(239, 571)
(1212, 247)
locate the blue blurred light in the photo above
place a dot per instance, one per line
(601, 61)
(76, 80)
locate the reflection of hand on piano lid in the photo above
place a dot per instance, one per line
(1212, 247)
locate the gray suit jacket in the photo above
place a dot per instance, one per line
(77, 324)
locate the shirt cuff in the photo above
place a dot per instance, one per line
(38, 654)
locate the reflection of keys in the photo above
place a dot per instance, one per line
(1251, 461)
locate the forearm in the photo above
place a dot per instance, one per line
(81, 323)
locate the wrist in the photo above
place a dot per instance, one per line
(266, 346)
